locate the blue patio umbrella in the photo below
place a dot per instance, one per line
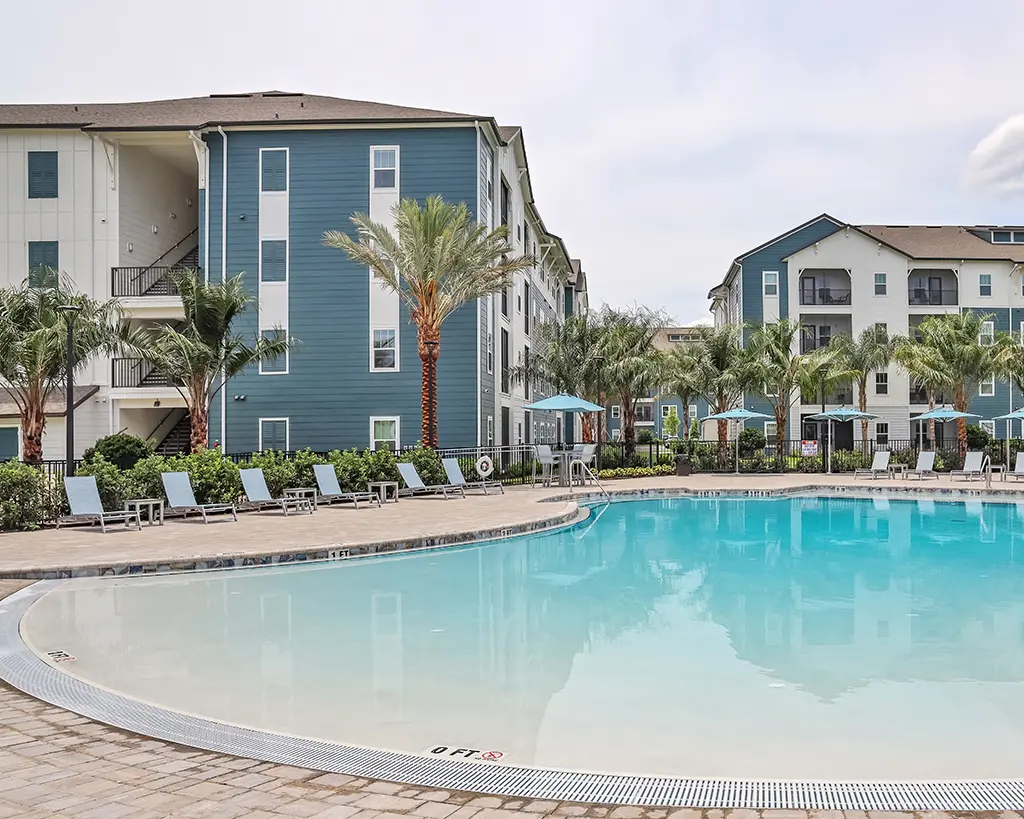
(738, 414)
(1010, 417)
(944, 414)
(564, 403)
(843, 413)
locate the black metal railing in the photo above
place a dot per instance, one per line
(921, 295)
(137, 372)
(808, 344)
(152, 280)
(836, 296)
(918, 395)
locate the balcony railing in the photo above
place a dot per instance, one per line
(826, 296)
(137, 372)
(918, 395)
(840, 395)
(921, 295)
(143, 281)
(809, 345)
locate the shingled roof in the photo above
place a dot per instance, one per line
(258, 108)
(941, 242)
(56, 404)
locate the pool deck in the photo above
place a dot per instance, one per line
(54, 763)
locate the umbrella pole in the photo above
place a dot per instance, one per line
(737, 453)
(829, 446)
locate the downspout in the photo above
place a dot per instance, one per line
(223, 277)
(203, 161)
(481, 304)
(1009, 381)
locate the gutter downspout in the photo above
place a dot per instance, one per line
(203, 160)
(481, 306)
(223, 277)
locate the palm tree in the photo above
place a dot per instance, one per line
(203, 355)
(437, 258)
(925, 368)
(682, 380)
(720, 363)
(33, 338)
(871, 351)
(633, 365)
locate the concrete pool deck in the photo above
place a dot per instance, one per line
(56, 763)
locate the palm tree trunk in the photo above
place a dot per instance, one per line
(33, 422)
(686, 418)
(862, 405)
(429, 345)
(588, 427)
(199, 415)
(960, 403)
(931, 421)
(628, 428)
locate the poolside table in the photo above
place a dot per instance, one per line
(382, 487)
(303, 492)
(154, 509)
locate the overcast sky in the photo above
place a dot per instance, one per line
(665, 137)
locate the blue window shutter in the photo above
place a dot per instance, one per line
(275, 171)
(275, 435)
(42, 174)
(9, 443)
(43, 264)
(278, 364)
(274, 253)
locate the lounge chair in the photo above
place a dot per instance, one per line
(415, 486)
(84, 500)
(1018, 467)
(330, 490)
(972, 466)
(181, 498)
(879, 466)
(925, 467)
(255, 485)
(456, 478)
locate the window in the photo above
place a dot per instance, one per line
(770, 283)
(881, 284)
(385, 352)
(519, 432)
(384, 433)
(985, 284)
(526, 238)
(526, 313)
(675, 338)
(989, 427)
(987, 388)
(279, 364)
(506, 196)
(881, 433)
(771, 433)
(490, 332)
(692, 413)
(273, 169)
(274, 260)
(1002, 237)
(519, 295)
(987, 336)
(385, 168)
(42, 174)
(666, 410)
(881, 383)
(504, 302)
(274, 434)
(526, 367)
(490, 430)
(615, 411)
(43, 264)
(881, 328)
(505, 360)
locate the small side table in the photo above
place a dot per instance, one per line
(1000, 469)
(897, 469)
(382, 487)
(303, 492)
(154, 508)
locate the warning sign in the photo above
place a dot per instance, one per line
(468, 754)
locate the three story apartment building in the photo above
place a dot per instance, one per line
(833, 277)
(118, 196)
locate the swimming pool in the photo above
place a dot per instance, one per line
(794, 638)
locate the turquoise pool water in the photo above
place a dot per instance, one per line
(797, 638)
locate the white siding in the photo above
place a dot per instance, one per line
(150, 191)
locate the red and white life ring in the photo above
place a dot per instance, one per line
(484, 466)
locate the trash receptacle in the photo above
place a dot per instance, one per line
(683, 466)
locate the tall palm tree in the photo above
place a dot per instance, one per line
(33, 341)
(925, 368)
(682, 379)
(204, 354)
(870, 352)
(437, 258)
(720, 367)
(633, 365)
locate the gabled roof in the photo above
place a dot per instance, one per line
(941, 242)
(193, 113)
(507, 132)
(55, 405)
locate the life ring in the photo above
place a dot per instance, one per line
(484, 466)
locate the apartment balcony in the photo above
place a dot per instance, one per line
(918, 395)
(143, 282)
(935, 298)
(933, 288)
(842, 394)
(645, 413)
(825, 288)
(137, 372)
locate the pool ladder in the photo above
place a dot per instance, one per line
(986, 467)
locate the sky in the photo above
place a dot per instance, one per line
(665, 137)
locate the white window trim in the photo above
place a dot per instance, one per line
(988, 382)
(988, 425)
(398, 360)
(666, 410)
(988, 330)
(287, 432)
(287, 355)
(996, 241)
(768, 435)
(287, 170)
(884, 283)
(489, 349)
(490, 430)
(398, 167)
(14, 423)
(616, 411)
(886, 374)
(398, 430)
(981, 284)
(1021, 337)
(764, 284)
(287, 261)
(886, 433)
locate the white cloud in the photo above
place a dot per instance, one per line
(997, 162)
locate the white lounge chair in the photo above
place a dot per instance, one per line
(456, 478)
(256, 492)
(972, 466)
(84, 501)
(879, 466)
(925, 467)
(415, 486)
(181, 498)
(1018, 467)
(330, 490)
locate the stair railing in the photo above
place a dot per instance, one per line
(143, 288)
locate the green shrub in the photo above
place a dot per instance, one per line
(977, 438)
(214, 478)
(144, 478)
(645, 436)
(379, 465)
(351, 469)
(120, 449)
(427, 463)
(751, 440)
(635, 472)
(22, 497)
(278, 470)
(305, 460)
(111, 481)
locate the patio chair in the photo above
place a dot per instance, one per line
(879, 466)
(546, 459)
(330, 490)
(972, 467)
(925, 467)
(84, 500)
(414, 484)
(1018, 467)
(181, 498)
(580, 461)
(258, 495)
(456, 478)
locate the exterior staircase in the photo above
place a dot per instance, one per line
(190, 259)
(178, 440)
